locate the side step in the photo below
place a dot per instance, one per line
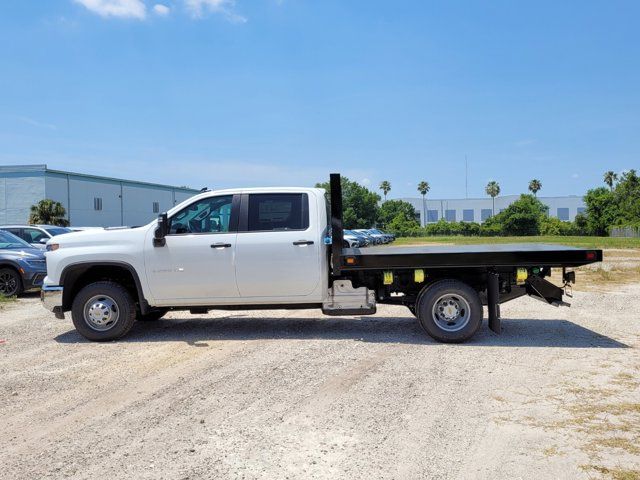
(345, 300)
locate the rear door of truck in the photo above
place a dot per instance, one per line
(278, 245)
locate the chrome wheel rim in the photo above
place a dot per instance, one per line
(451, 312)
(101, 312)
(8, 284)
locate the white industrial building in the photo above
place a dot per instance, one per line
(480, 209)
(89, 200)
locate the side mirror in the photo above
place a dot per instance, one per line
(161, 231)
(44, 240)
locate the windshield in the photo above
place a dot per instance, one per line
(53, 231)
(9, 240)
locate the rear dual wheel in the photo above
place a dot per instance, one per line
(449, 311)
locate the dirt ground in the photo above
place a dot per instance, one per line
(292, 394)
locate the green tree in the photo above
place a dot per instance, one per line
(391, 209)
(359, 204)
(385, 186)
(423, 188)
(602, 210)
(535, 186)
(48, 212)
(401, 226)
(610, 178)
(627, 199)
(522, 217)
(493, 190)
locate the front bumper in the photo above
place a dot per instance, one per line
(32, 280)
(51, 297)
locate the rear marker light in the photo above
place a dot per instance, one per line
(591, 255)
(350, 261)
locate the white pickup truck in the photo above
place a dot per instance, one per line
(266, 248)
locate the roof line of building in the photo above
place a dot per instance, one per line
(479, 198)
(43, 168)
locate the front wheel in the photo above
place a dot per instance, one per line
(103, 311)
(10, 282)
(449, 311)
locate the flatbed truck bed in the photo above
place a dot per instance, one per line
(464, 256)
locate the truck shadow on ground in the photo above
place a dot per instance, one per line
(405, 330)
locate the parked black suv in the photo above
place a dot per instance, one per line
(22, 267)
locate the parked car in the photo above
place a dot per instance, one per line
(36, 235)
(22, 267)
(373, 239)
(387, 237)
(354, 240)
(364, 241)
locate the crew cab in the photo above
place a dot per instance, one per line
(264, 248)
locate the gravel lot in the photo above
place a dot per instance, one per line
(292, 394)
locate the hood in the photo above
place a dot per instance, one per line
(24, 253)
(94, 237)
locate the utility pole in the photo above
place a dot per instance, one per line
(466, 178)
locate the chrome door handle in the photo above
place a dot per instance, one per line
(220, 245)
(303, 242)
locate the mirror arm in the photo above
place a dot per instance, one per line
(161, 231)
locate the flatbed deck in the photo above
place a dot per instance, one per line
(458, 256)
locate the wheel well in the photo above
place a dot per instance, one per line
(78, 277)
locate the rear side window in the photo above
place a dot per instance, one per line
(278, 211)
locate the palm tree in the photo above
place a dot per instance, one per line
(385, 186)
(535, 186)
(423, 188)
(610, 178)
(48, 212)
(493, 190)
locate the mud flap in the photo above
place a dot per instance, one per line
(493, 295)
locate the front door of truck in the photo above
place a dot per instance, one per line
(278, 251)
(197, 263)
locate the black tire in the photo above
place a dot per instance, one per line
(460, 301)
(10, 282)
(104, 295)
(152, 316)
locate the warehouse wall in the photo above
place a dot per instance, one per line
(18, 191)
(134, 208)
(139, 200)
(565, 208)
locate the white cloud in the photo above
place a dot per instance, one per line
(35, 123)
(198, 8)
(366, 182)
(161, 10)
(116, 8)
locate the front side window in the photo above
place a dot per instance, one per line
(33, 235)
(209, 215)
(278, 211)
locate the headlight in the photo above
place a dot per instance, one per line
(51, 247)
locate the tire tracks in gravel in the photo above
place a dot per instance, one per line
(105, 403)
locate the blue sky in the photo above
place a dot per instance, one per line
(281, 92)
